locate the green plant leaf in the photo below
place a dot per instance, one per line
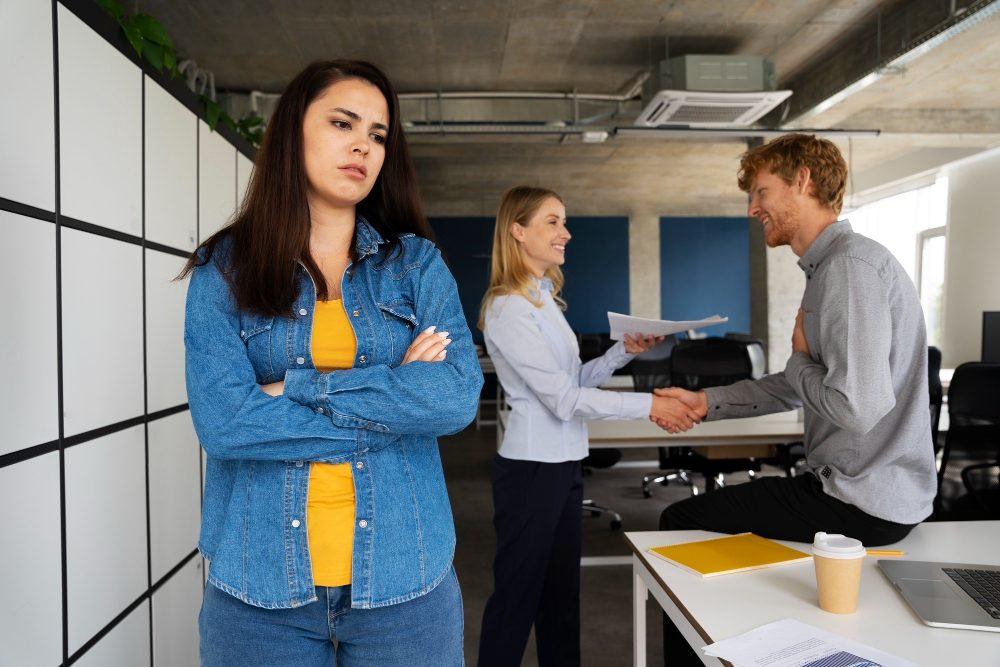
(170, 61)
(230, 123)
(112, 7)
(153, 53)
(212, 113)
(247, 123)
(152, 30)
(133, 36)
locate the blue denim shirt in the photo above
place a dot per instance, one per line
(380, 417)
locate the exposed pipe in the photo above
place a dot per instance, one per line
(930, 39)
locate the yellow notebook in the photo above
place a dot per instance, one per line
(725, 555)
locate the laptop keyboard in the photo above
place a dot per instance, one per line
(982, 585)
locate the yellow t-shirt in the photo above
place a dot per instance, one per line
(330, 504)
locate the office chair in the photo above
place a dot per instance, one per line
(694, 365)
(598, 344)
(601, 458)
(936, 393)
(973, 421)
(651, 369)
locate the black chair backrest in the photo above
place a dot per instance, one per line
(934, 374)
(709, 362)
(974, 394)
(651, 369)
(935, 390)
(755, 348)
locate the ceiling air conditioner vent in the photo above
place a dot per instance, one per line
(708, 109)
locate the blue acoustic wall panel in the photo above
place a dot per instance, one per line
(596, 272)
(466, 244)
(596, 267)
(704, 270)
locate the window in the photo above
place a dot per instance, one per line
(912, 226)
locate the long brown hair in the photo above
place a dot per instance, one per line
(270, 231)
(508, 272)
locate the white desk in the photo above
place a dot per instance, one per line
(770, 429)
(777, 428)
(707, 610)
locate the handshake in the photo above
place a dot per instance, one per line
(676, 410)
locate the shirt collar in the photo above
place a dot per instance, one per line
(367, 239)
(538, 286)
(820, 247)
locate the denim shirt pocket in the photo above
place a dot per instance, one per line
(255, 332)
(401, 321)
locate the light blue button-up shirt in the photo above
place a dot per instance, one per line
(550, 393)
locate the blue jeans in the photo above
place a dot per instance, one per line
(426, 631)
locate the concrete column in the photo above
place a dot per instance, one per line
(644, 263)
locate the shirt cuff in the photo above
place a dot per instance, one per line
(636, 405)
(303, 386)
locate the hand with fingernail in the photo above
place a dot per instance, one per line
(429, 345)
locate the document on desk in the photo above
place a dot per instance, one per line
(790, 643)
(623, 324)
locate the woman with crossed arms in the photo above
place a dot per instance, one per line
(318, 386)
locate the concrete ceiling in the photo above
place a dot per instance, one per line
(945, 103)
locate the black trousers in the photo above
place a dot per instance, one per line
(536, 572)
(781, 508)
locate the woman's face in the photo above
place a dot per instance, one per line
(543, 238)
(344, 132)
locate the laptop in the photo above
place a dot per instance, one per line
(948, 595)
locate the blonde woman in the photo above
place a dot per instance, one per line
(537, 483)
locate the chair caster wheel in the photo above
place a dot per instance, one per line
(646, 493)
(616, 525)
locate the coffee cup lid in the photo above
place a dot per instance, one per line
(837, 546)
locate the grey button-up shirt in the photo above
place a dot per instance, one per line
(863, 384)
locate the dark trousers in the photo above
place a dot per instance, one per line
(537, 567)
(781, 508)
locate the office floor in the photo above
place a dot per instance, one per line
(606, 589)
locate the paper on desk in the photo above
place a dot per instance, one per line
(790, 643)
(623, 324)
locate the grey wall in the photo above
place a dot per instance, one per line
(972, 282)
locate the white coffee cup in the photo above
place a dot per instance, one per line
(838, 561)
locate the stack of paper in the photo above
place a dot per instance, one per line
(789, 643)
(626, 324)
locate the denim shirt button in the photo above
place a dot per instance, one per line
(303, 311)
(363, 523)
(300, 361)
(296, 523)
(362, 358)
(320, 410)
(359, 465)
(356, 313)
(298, 464)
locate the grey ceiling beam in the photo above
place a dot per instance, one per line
(889, 40)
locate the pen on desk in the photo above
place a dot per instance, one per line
(886, 552)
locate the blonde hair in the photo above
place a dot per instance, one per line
(508, 272)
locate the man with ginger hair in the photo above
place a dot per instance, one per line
(858, 368)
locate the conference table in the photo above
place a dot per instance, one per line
(777, 428)
(709, 610)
